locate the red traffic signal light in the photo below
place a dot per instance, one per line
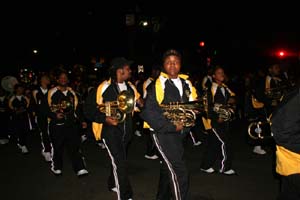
(281, 53)
(201, 44)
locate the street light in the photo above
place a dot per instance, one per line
(144, 23)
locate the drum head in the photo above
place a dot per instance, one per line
(8, 83)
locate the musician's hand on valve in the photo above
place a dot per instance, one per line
(84, 125)
(111, 121)
(179, 127)
(60, 115)
(196, 112)
(220, 120)
(231, 101)
(267, 91)
(140, 102)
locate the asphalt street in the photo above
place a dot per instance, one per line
(29, 177)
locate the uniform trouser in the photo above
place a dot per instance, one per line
(45, 139)
(290, 187)
(194, 136)
(174, 176)
(4, 118)
(150, 146)
(116, 143)
(218, 148)
(196, 133)
(66, 136)
(21, 128)
(138, 122)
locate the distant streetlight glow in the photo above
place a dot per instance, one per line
(35, 51)
(145, 23)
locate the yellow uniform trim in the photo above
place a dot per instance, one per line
(145, 85)
(10, 102)
(287, 162)
(206, 123)
(256, 104)
(34, 93)
(97, 127)
(75, 97)
(160, 91)
(214, 90)
(53, 90)
(137, 95)
(13, 98)
(268, 83)
(50, 93)
(27, 101)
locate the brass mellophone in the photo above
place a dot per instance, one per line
(277, 92)
(225, 112)
(118, 109)
(182, 112)
(260, 130)
(63, 107)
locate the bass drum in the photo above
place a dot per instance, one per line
(8, 83)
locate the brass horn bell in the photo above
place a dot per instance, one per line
(118, 109)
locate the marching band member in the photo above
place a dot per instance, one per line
(273, 87)
(115, 136)
(207, 80)
(286, 132)
(151, 152)
(4, 117)
(259, 103)
(170, 86)
(218, 137)
(19, 104)
(64, 126)
(40, 96)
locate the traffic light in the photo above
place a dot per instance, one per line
(201, 44)
(281, 54)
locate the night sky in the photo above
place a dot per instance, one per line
(72, 33)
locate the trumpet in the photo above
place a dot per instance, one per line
(182, 112)
(118, 109)
(225, 112)
(259, 130)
